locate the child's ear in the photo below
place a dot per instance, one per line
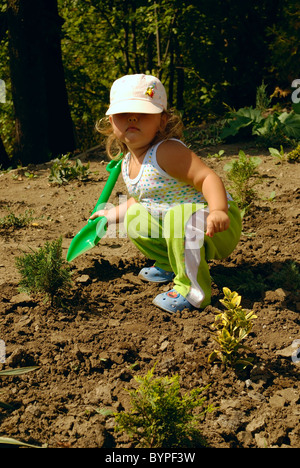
(163, 120)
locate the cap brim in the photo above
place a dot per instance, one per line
(139, 106)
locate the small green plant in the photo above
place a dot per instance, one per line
(30, 175)
(232, 326)
(11, 220)
(294, 155)
(216, 155)
(44, 271)
(62, 170)
(280, 155)
(161, 416)
(242, 174)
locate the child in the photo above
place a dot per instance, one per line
(178, 213)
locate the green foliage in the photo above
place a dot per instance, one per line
(262, 100)
(63, 171)
(279, 154)
(12, 220)
(283, 44)
(246, 117)
(161, 416)
(273, 127)
(206, 135)
(294, 155)
(45, 271)
(242, 174)
(177, 41)
(217, 155)
(276, 127)
(232, 325)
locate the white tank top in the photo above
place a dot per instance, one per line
(155, 189)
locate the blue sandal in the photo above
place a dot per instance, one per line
(172, 301)
(156, 275)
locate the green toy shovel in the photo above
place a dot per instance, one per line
(95, 229)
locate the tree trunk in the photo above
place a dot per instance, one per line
(61, 136)
(4, 159)
(27, 77)
(43, 123)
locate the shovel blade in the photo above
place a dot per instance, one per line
(95, 229)
(87, 237)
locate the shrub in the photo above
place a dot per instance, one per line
(161, 416)
(44, 271)
(294, 155)
(232, 325)
(242, 174)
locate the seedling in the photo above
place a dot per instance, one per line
(62, 170)
(30, 175)
(11, 220)
(216, 155)
(232, 326)
(280, 155)
(161, 416)
(44, 271)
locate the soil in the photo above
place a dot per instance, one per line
(107, 331)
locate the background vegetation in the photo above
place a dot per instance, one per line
(212, 55)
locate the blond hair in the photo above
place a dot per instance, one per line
(114, 147)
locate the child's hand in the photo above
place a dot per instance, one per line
(98, 214)
(217, 221)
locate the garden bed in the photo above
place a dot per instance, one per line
(108, 331)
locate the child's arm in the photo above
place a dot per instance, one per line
(116, 214)
(181, 163)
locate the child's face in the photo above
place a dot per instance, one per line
(137, 130)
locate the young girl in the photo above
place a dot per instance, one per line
(178, 213)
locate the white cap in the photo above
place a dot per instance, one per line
(137, 93)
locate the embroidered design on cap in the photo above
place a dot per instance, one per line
(150, 90)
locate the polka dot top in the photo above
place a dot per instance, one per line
(155, 189)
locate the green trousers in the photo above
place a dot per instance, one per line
(178, 243)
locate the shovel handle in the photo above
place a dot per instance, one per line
(114, 169)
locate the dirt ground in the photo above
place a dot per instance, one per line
(89, 351)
